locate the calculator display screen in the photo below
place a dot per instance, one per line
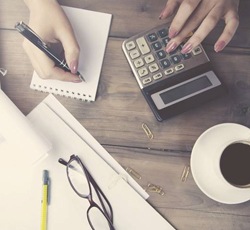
(185, 89)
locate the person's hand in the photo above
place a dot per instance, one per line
(202, 15)
(49, 21)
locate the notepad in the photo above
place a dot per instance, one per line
(91, 30)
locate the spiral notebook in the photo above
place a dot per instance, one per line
(91, 29)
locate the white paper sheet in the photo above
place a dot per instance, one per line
(21, 147)
(19, 140)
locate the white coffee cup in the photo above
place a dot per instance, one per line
(206, 159)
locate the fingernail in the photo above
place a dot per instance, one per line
(219, 46)
(161, 15)
(172, 33)
(78, 80)
(171, 46)
(73, 67)
(187, 48)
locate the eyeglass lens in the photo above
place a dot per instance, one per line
(98, 219)
(78, 178)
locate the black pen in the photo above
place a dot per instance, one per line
(28, 33)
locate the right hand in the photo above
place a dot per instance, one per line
(49, 21)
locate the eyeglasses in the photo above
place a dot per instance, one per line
(81, 181)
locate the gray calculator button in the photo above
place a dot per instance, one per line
(153, 68)
(161, 54)
(134, 54)
(143, 72)
(130, 45)
(176, 59)
(179, 67)
(165, 63)
(149, 58)
(146, 80)
(157, 76)
(156, 45)
(142, 44)
(197, 50)
(138, 63)
(186, 56)
(169, 71)
(152, 37)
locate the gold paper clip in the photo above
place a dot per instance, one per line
(133, 173)
(185, 173)
(147, 131)
(155, 188)
(3, 71)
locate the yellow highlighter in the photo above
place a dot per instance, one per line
(45, 200)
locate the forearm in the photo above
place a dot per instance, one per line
(30, 3)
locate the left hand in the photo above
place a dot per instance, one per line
(203, 15)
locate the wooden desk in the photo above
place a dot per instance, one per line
(115, 118)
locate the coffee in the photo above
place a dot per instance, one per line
(235, 164)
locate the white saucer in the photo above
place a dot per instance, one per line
(205, 163)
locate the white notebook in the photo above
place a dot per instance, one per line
(91, 29)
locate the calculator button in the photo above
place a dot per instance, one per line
(157, 76)
(163, 33)
(166, 41)
(165, 63)
(149, 58)
(134, 54)
(186, 56)
(176, 59)
(143, 72)
(197, 50)
(169, 71)
(146, 80)
(130, 45)
(142, 44)
(179, 67)
(161, 54)
(153, 68)
(152, 37)
(138, 63)
(156, 45)
(173, 52)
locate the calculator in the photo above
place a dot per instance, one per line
(170, 82)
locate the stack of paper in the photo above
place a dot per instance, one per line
(21, 146)
(21, 194)
(67, 210)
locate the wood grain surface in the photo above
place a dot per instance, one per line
(115, 118)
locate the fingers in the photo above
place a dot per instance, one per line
(202, 15)
(71, 51)
(70, 45)
(45, 67)
(170, 8)
(232, 23)
(203, 30)
(185, 10)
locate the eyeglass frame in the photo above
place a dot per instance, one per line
(89, 197)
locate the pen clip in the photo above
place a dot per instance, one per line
(22, 28)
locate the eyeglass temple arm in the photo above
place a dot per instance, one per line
(101, 196)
